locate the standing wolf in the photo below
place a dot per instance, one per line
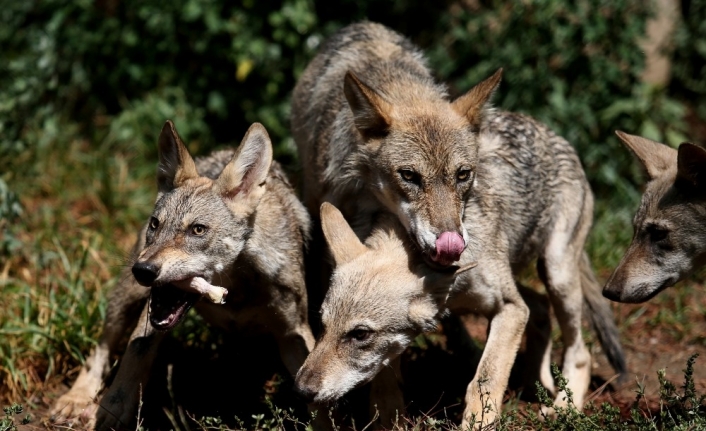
(230, 219)
(376, 133)
(670, 225)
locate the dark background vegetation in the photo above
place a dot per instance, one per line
(86, 85)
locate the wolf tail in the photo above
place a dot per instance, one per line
(601, 316)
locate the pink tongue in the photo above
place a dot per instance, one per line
(449, 247)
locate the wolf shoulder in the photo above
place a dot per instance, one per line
(524, 144)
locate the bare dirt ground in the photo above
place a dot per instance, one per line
(235, 377)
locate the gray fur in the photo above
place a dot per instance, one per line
(669, 242)
(530, 200)
(253, 246)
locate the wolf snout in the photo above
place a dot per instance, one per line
(615, 286)
(145, 273)
(449, 246)
(612, 293)
(304, 393)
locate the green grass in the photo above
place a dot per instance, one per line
(81, 204)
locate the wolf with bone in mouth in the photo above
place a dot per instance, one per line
(229, 219)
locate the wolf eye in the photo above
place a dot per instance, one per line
(154, 223)
(410, 176)
(198, 229)
(463, 175)
(657, 233)
(359, 334)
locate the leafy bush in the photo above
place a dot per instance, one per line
(573, 65)
(10, 210)
(84, 59)
(689, 58)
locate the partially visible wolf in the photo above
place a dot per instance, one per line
(377, 134)
(669, 241)
(231, 219)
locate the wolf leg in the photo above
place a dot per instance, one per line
(124, 303)
(539, 341)
(484, 395)
(118, 407)
(560, 270)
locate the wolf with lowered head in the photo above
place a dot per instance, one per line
(468, 184)
(669, 242)
(230, 219)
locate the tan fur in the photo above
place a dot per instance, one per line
(670, 225)
(393, 144)
(255, 231)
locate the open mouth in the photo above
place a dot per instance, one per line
(168, 305)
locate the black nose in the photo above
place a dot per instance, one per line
(612, 294)
(145, 273)
(303, 393)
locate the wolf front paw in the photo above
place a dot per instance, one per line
(75, 409)
(117, 411)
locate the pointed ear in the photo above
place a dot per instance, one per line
(342, 241)
(472, 105)
(655, 157)
(245, 175)
(175, 162)
(691, 165)
(371, 113)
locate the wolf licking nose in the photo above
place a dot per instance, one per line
(378, 135)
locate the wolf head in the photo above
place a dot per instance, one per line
(420, 160)
(669, 239)
(199, 225)
(378, 301)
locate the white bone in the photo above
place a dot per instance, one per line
(215, 294)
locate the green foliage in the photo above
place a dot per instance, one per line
(681, 410)
(678, 411)
(118, 69)
(85, 87)
(10, 210)
(8, 422)
(689, 58)
(573, 65)
(232, 62)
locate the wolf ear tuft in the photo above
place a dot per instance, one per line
(245, 175)
(342, 241)
(371, 113)
(175, 163)
(473, 104)
(691, 165)
(655, 157)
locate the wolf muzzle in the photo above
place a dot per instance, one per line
(145, 273)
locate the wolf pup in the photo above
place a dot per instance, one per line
(669, 242)
(376, 133)
(230, 219)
